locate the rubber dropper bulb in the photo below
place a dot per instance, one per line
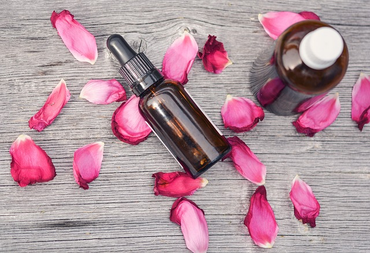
(120, 48)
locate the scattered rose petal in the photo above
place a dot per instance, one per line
(270, 91)
(87, 163)
(30, 163)
(241, 114)
(309, 102)
(260, 220)
(275, 23)
(179, 58)
(177, 184)
(127, 123)
(246, 162)
(214, 56)
(306, 207)
(77, 39)
(361, 101)
(103, 92)
(193, 224)
(52, 107)
(319, 116)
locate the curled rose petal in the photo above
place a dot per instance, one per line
(52, 107)
(193, 224)
(214, 56)
(246, 162)
(30, 163)
(260, 220)
(177, 184)
(275, 23)
(361, 101)
(319, 116)
(270, 91)
(87, 162)
(103, 92)
(306, 207)
(241, 114)
(127, 123)
(77, 39)
(179, 58)
(309, 102)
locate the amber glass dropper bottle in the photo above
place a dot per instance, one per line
(171, 113)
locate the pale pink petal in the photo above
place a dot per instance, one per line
(30, 163)
(214, 56)
(270, 91)
(177, 184)
(275, 23)
(241, 114)
(246, 162)
(193, 224)
(306, 206)
(361, 101)
(319, 116)
(260, 220)
(103, 92)
(87, 163)
(77, 39)
(52, 107)
(127, 123)
(179, 58)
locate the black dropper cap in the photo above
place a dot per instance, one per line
(136, 69)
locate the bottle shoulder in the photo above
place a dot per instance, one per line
(293, 71)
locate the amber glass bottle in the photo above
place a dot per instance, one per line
(307, 60)
(171, 113)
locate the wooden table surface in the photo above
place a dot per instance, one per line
(119, 213)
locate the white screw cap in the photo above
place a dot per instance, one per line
(320, 48)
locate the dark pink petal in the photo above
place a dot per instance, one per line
(77, 39)
(319, 116)
(179, 58)
(309, 102)
(193, 224)
(87, 163)
(103, 92)
(306, 207)
(52, 107)
(177, 184)
(270, 91)
(127, 123)
(30, 163)
(246, 162)
(275, 23)
(214, 56)
(361, 101)
(241, 114)
(260, 220)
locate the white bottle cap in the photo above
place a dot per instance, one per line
(320, 48)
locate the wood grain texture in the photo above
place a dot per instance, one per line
(120, 213)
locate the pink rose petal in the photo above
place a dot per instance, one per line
(87, 163)
(77, 39)
(241, 114)
(275, 23)
(309, 102)
(103, 92)
(246, 162)
(270, 91)
(361, 101)
(193, 224)
(30, 163)
(52, 107)
(306, 207)
(179, 58)
(260, 220)
(214, 56)
(127, 123)
(177, 184)
(319, 116)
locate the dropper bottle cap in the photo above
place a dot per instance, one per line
(136, 69)
(320, 48)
